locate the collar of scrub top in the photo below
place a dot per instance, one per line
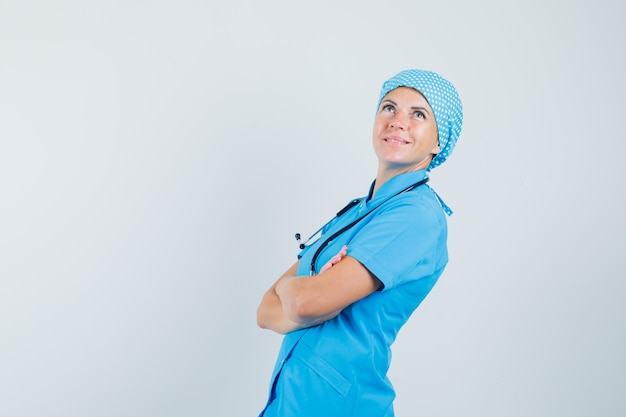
(370, 194)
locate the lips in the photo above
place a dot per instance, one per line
(395, 140)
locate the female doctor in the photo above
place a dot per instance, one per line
(341, 305)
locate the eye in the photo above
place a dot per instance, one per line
(419, 114)
(388, 107)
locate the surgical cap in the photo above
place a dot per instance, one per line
(443, 99)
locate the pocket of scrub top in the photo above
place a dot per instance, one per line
(324, 370)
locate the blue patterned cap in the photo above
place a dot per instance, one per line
(443, 99)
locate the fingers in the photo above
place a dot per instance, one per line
(339, 255)
(335, 259)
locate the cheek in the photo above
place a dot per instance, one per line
(376, 129)
(430, 133)
(435, 138)
(380, 123)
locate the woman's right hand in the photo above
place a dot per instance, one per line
(335, 259)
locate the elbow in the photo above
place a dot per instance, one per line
(301, 308)
(301, 302)
(261, 318)
(263, 324)
(309, 312)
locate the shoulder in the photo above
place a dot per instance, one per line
(419, 206)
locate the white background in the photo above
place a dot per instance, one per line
(157, 157)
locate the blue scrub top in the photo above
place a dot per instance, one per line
(339, 368)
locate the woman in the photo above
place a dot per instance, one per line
(342, 303)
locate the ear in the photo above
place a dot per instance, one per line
(436, 150)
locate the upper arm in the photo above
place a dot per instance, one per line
(332, 290)
(406, 243)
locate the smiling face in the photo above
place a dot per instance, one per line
(405, 133)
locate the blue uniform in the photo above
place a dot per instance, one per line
(339, 368)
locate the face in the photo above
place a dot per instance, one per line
(405, 132)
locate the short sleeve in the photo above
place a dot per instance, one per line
(403, 242)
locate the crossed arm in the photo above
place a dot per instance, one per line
(296, 302)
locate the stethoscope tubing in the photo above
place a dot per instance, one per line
(328, 240)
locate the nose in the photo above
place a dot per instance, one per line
(397, 123)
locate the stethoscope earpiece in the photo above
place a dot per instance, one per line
(298, 238)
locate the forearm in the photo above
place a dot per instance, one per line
(296, 298)
(316, 299)
(270, 315)
(296, 302)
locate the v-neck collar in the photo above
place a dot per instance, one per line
(395, 184)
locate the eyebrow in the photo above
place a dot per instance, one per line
(412, 107)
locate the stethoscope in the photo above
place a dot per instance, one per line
(340, 213)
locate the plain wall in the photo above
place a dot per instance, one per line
(156, 159)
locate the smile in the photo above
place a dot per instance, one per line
(395, 140)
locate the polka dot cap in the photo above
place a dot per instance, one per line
(443, 99)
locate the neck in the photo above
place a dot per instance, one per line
(387, 172)
(385, 175)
